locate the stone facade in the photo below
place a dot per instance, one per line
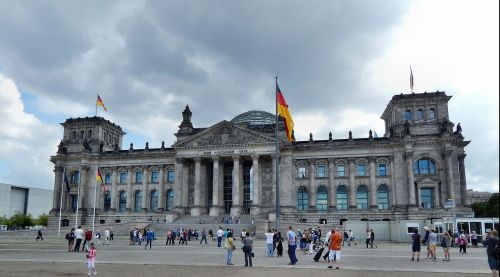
(230, 168)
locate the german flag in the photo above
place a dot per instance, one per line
(100, 103)
(98, 178)
(284, 112)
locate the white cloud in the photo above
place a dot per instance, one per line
(26, 143)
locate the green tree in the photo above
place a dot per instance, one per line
(22, 220)
(487, 209)
(4, 221)
(42, 220)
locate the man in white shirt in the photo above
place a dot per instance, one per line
(269, 242)
(78, 236)
(220, 233)
(106, 236)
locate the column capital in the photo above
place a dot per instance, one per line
(462, 156)
(447, 153)
(311, 161)
(58, 169)
(255, 157)
(236, 157)
(197, 159)
(215, 158)
(331, 160)
(372, 159)
(129, 167)
(84, 167)
(179, 160)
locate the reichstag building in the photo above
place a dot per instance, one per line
(229, 169)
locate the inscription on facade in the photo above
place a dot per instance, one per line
(228, 152)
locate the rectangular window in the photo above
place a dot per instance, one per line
(411, 227)
(382, 170)
(138, 177)
(340, 170)
(154, 177)
(427, 198)
(107, 178)
(321, 171)
(170, 176)
(301, 172)
(361, 170)
(123, 177)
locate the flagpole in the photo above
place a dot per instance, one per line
(95, 198)
(277, 159)
(60, 203)
(97, 95)
(77, 202)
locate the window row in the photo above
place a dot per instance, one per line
(122, 177)
(342, 198)
(81, 134)
(137, 201)
(341, 170)
(419, 114)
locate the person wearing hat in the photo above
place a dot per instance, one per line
(425, 241)
(433, 238)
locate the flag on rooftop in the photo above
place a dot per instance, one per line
(100, 103)
(284, 112)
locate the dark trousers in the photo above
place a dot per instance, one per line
(77, 245)
(203, 239)
(369, 242)
(463, 248)
(150, 242)
(39, 237)
(291, 253)
(248, 258)
(219, 240)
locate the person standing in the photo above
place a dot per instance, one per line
(203, 236)
(150, 236)
(432, 243)
(106, 236)
(292, 245)
(131, 237)
(78, 236)
(70, 236)
(229, 245)
(111, 235)
(335, 247)
(425, 241)
(279, 247)
(269, 242)
(473, 239)
(39, 235)
(491, 243)
(220, 233)
(87, 239)
(352, 239)
(462, 242)
(247, 249)
(368, 238)
(445, 243)
(91, 259)
(372, 238)
(415, 245)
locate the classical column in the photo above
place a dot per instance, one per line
(411, 180)
(352, 185)
(161, 189)
(178, 185)
(373, 185)
(257, 186)
(236, 207)
(312, 186)
(216, 205)
(83, 201)
(332, 197)
(195, 210)
(113, 189)
(129, 189)
(463, 182)
(449, 174)
(436, 197)
(145, 194)
(56, 195)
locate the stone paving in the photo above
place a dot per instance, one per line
(19, 255)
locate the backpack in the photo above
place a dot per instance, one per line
(67, 236)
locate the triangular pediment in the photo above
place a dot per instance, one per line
(225, 133)
(428, 179)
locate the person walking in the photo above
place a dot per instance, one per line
(269, 242)
(247, 249)
(220, 233)
(91, 259)
(352, 239)
(368, 238)
(445, 244)
(292, 245)
(230, 247)
(150, 236)
(492, 245)
(203, 236)
(372, 238)
(78, 236)
(279, 247)
(39, 235)
(335, 247)
(70, 237)
(415, 245)
(106, 236)
(462, 242)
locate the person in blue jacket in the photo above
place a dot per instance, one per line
(150, 236)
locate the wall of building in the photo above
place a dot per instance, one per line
(12, 200)
(4, 199)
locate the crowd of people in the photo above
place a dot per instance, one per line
(76, 235)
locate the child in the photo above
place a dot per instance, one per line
(91, 259)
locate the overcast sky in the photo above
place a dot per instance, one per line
(339, 63)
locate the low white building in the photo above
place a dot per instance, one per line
(25, 200)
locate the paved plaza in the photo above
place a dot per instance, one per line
(22, 256)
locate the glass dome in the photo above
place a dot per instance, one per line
(255, 118)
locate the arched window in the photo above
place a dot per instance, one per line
(89, 134)
(420, 115)
(153, 201)
(342, 198)
(322, 199)
(138, 177)
(302, 199)
(75, 178)
(107, 201)
(383, 197)
(82, 134)
(432, 114)
(138, 201)
(169, 205)
(122, 203)
(73, 135)
(362, 198)
(424, 166)
(408, 115)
